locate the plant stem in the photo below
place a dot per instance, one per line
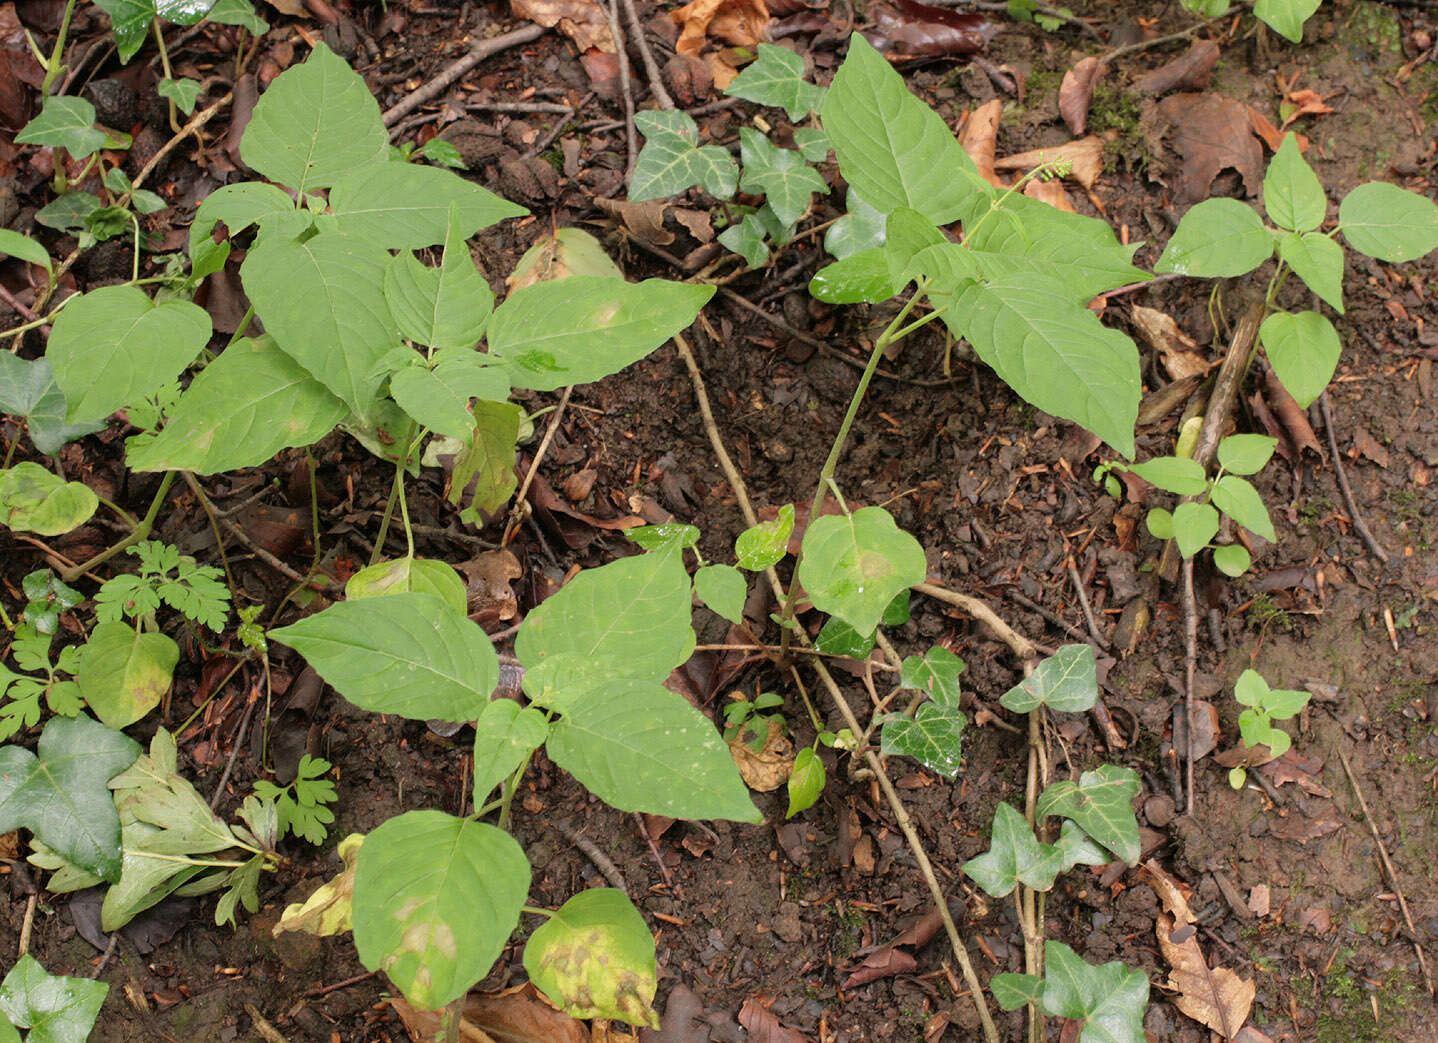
(141, 532)
(53, 68)
(536, 911)
(125, 516)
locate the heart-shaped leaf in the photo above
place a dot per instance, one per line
(594, 958)
(1014, 857)
(854, 565)
(932, 737)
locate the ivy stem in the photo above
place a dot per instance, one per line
(1031, 914)
(53, 66)
(165, 64)
(140, 532)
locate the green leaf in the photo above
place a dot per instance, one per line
(1053, 352)
(70, 213)
(248, 203)
(892, 148)
(408, 654)
(594, 958)
(908, 233)
(723, 589)
(1217, 238)
(1238, 499)
(247, 405)
(671, 161)
(129, 23)
(1012, 991)
(34, 500)
(639, 747)
(410, 575)
(114, 346)
(61, 797)
(577, 330)
(1250, 689)
(123, 674)
(1109, 999)
(329, 908)
(1245, 454)
(747, 239)
(1075, 848)
(1293, 197)
(13, 244)
(932, 736)
(1387, 222)
(1194, 525)
(315, 123)
(765, 544)
(812, 143)
(782, 176)
(1232, 560)
(54, 1008)
(7, 1030)
(435, 899)
(444, 307)
(669, 536)
(1014, 856)
(854, 565)
(323, 302)
(838, 638)
(183, 92)
(1099, 804)
(504, 736)
(484, 470)
(860, 278)
(776, 78)
(936, 672)
(1318, 261)
(241, 13)
(565, 252)
(1160, 523)
(806, 781)
(406, 206)
(634, 610)
(67, 123)
(441, 153)
(1303, 349)
(440, 404)
(28, 390)
(861, 228)
(1286, 17)
(1066, 681)
(1175, 474)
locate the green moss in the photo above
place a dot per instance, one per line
(1346, 1012)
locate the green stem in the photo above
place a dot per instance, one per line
(165, 64)
(533, 910)
(509, 790)
(53, 68)
(5, 619)
(396, 493)
(141, 532)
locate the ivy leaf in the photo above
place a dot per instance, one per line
(854, 565)
(67, 123)
(504, 735)
(747, 239)
(61, 795)
(1066, 681)
(1238, 499)
(28, 390)
(765, 544)
(594, 958)
(812, 143)
(782, 176)
(1012, 991)
(723, 589)
(241, 13)
(1099, 804)
(776, 78)
(183, 92)
(1014, 856)
(671, 160)
(936, 672)
(1075, 848)
(1387, 222)
(1217, 238)
(1318, 261)
(836, 637)
(932, 736)
(56, 1009)
(1304, 350)
(1109, 999)
(1293, 196)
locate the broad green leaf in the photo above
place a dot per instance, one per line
(1237, 498)
(329, 909)
(34, 500)
(1014, 856)
(806, 781)
(567, 681)
(1232, 560)
(860, 278)
(440, 404)
(113, 346)
(1194, 525)
(61, 795)
(1318, 261)
(183, 92)
(1012, 991)
(315, 123)
(504, 736)
(776, 77)
(441, 153)
(782, 176)
(1053, 352)
(565, 252)
(484, 470)
(1293, 197)
(247, 405)
(1099, 804)
(854, 565)
(28, 390)
(860, 229)
(408, 654)
(1207, 8)
(936, 672)
(671, 535)
(908, 233)
(836, 637)
(406, 206)
(1245, 454)
(8, 1033)
(323, 302)
(444, 307)
(634, 610)
(244, 204)
(812, 143)
(410, 575)
(1181, 475)
(932, 736)
(594, 958)
(1303, 349)
(1388, 222)
(765, 544)
(1250, 689)
(13, 244)
(1217, 238)
(55, 1009)
(1108, 999)
(671, 160)
(723, 589)
(1066, 681)
(748, 240)
(123, 674)
(1075, 848)
(70, 213)
(67, 123)
(1286, 17)
(241, 13)
(892, 148)
(580, 329)
(435, 899)
(639, 747)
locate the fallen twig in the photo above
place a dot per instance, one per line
(1021, 646)
(517, 516)
(626, 88)
(601, 861)
(1374, 547)
(1077, 581)
(651, 67)
(1190, 665)
(477, 53)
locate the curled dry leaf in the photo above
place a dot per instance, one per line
(1290, 414)
(925, 31)
(1085, 157)
(1272, 137)
(897, 956)
(768, 768)
(487, 585)
(978, 136)
(1302, 103)
(1190, 71)
(1215, 997)
(1076, 92)
(583, 21)
(517, 1015)
(1178, 351)
(742, 23)
(644, 220)
(764, 1026)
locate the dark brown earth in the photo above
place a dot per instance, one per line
(1000, 501)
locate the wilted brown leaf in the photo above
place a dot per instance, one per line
(1302, 103)
(1178, 351)
(1364, 444)
(926, 31)
(488, 576)
(1318, 819)
(763, 1026)
(739, 22)
(1272, 137)
(1211, 134)
(1076, 92)
(1085, 156)
(1050, 192)
(978, 137)
(769, 767)
(897, 956)
(583, 21)
(644, 220)
(1290, 414)
(1190, 71)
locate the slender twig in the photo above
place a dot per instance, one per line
(651, 67)
(140, 532)
(626, 89)
(517, 515)
(1374, 547)
(1077, 581)
(1022, 648)
(1057, 620)
(1158, 41)
(477, 53)
(255, 549)
(219, 793)
(669, 880)
(1190, 666)
(601, 861)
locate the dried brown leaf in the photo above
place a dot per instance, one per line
(644, 220)
(1272, 137)
(1190, 71)
(487, 585)
(583, 21)
(978, 137)
(925, 31)
(1211, 134)
(1076, 92)
(763, 1026)
(1085, 156)
(1364, 444)
(1303, 102)
(768, 768)
(742, 23)
(1318, 819)
(1050, 192)
(1290, 414)
(1179, 352)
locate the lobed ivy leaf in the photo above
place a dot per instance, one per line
(68, 123)
(241, 13)
(776, 77)
(1099, 804)
(1109, 999)
(748, 240)
(594, 958)
(672, 161)
(1217, 238)
(55, 1008)
(504, 736)
(932, 736)
(813, 144)
(405, 206)
(1304, 350)
(936, 672)
(836, 637)
(183, 92)
(1388, 222)
(1318, 261)
(1014, 857)
(1293, 197)
(782, 176)
(1066, 681)
(28, 390)
(1012, 991)
(854, 565)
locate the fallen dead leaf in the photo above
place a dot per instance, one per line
(1319, 819)
(1317, 917)
(579, 484)
(897, 956)
(1295, 768)
(645, 220)
(768, 768)
(1050, 192)
(1364, 444)
(1302, 103)
(1290, 414)
(1259, 900)
(763, 1026)
(1211, 134)
(742, 23)
(1178, 351)
(487, 585)
(1272, 137)
(583, 21)
(924, 31)
(1076, 92)
(518, 1015)
(979, 134)
(1085, 156)
(1215, 997)
(1190, 71)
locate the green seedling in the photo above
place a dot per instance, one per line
(1285, 17)
(166, 577)
(746, 720)
(1264, 705)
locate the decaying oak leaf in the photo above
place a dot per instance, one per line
(1210, 134)
(583, 21)
(1190, 71)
